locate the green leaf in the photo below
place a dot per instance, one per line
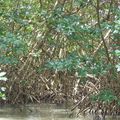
(104, 96)
(2, 74)
(3, 78)
(117, 53)
(2, 96)
(118, 67)
(82, 72)
(3, 89)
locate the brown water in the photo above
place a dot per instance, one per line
(39, 112)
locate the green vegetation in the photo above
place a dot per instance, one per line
(61, 51)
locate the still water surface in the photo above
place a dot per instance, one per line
(39, 112)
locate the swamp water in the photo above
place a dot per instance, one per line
(37, 112)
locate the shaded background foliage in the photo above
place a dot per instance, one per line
(60, 51)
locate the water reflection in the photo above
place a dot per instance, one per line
(36, 112)
(40, 112)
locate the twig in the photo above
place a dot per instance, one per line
(93, 77)
(78, 103)
(102, 37)
(100, 44)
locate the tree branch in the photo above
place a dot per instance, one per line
(102, 37)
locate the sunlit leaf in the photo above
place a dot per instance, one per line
(2, 74)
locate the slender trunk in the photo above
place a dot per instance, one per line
(102, 37)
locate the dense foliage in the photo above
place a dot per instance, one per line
(61, 50)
